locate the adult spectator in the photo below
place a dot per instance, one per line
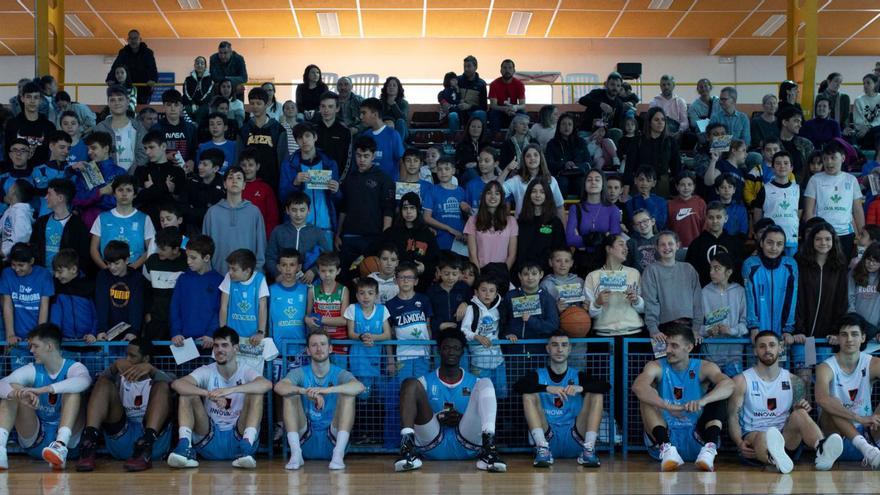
(788, 96)
(605, 104)
(704, 107)
(838, 102)
(84, 114)
(474, 98)
(517, 139)
(800, 148)
(507, 97)
(567, 157)
(198, 89)
(821, 128)
(657, 149)
(308, 94)
(674, 106)
(30, 125)
(148, 117)
(765, 126)
(273, 108)
(228, 64)
(236, 106)
(49, 88)
(395, 108)
(139, 61)
(467, 150)
(349, 106)
(736, 122)
(544, 129)
(866, 114)
(334, 139)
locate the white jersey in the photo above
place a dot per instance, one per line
(208, 378)
(781, 206)
(766, 404)
(854, 389)
(135, 396)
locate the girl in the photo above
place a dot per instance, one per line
(590, 219)
(602, 150)
(517, 139)
(273, 108)
(414, 240)
(534, 167)
(487, 164)
(788, 96)
(395, 109)
(864, 298)
(236, 107)
(198, 89)
(630, 136)
(567, 157)
(468, 148)
(540, 229)
(869, 235)
(492, 236)
(544, 130)
(308, 94)
(724, 314)
(449, 99)
(123, 79)
(866, 114)
(814, 166)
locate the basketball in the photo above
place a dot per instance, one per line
(575, 321)
(369, 265)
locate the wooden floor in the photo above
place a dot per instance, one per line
(374, 474)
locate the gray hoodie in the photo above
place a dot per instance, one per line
(726, 307)
(140, 156)
(232, 228)
(489, 323)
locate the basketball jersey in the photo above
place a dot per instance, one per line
(365, 361)
(135, 396)
(444, 396)
(781, 206)
(320, 419)
(244, 305)
(766, 404)
(853, 390)
(129, 230)
(287, 308)
(557, 411)
(330, 306)
(49, 408)
(207, 377)
(681, 387)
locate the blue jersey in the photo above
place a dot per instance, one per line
(131, 230)
(681, 387)
(389, 150)
(446, 209)
(365, 360)
(244, 305)
(54, 231)
(287, 308)
(473, 192)
(320, 419)
(26, 294)
(79, 152)
(49, 409)
(557, 411)
(42, 174)
(443, 396)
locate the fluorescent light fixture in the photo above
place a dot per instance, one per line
(190, 4)
(770, 26)
(519, 23)
(329, 23)
(76, 26)
(660, 4)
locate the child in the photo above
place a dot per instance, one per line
(161, 270)
(91, 201)
(123, 223)
(26, 290)
(256, 190)
(264, 134)
(713, 239)
(687, 211)
(217, 128)
(724, 315)
(410, 175)
(244, 297)
(737, 217)
(73, 306)
(429, 168)
(388, 261)
(15, 224)
(469, 273)
(566, 288)
(308, 239)
(196, 317)
(119, 292)
(447, 294)
(645, 181)
(205, 188)
(869, 235)
(449, 99)
(483, 322)
(836, 197)
(287, 302)
(296, 177)
(59, 153)
(487, 165)
(602, 150)
(630, 136)
(160, 181)
(641, 246)
(730, 163)
(445, 213)
(235, 223)
(763, 172)
(389, 145)
(171, 215)
(367, 322)
(180, 135)
(535, 323)
(613, 193)
(71, 126)
(328, 300)
(779, 199)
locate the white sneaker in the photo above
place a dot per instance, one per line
(669, 458)
(336, 464)
(245, 462)
(706, 459)
(56, 454)
(829, 450)
(295, 462)
(776, 451)
(4, 460)
(872, 458)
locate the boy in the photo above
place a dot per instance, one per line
(487, 165)
(613, 194)
(73, 307)
(196, 317)
(641, 246)
(836, 197)
(234, 223)
(288, 300)
(779, 200)
(256, 190)
(367, 322)
(388, 261)
(645, 181)
(179, 135)
(171, 215)
(447, 295)
(92, 199)
(714, 240)
(59, 153)
(15, 224)
(119, 292)
(410, 178)
(687, 211)
(265, 135)
(389, 145)
(296, 176)
(31, 125)
(566, 288)
(123, 223)
(205, 188)
(71, 126)
(26, 290)
(309, 240)
(737, 217)
(444, 214)
(18, 159)
(484, 322)
(161, 271)
(724, 314)
(60, 229)
(124, 133)
(160, 181)
(334, 137)
(244, 297)
(531, 312)
(217, 127)
(328, 300)
(763, 172)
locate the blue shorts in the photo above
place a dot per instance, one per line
(46, 434)
(121, 445)
(685, 441)
(565, 441)
(498, 375)
(318, 443)
(850, 452)
(221, 445)
(449, 446)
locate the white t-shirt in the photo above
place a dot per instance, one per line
(208, 378)
(125, 138)
(263, 291)
(834, 195)
(516, 188)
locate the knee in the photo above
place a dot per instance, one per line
(799, 414)
(530, 400)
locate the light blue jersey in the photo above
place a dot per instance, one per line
(244, 305)
(442, 396)
(131, 230)
(287, 308)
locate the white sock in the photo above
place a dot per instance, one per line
(538, 437)
(293, 443)
(4, 437)
(250, 434)
(860, 443)
(407, 431)
(185, 433)
(64, 434)
(341, 444)
(485, 392)
(710, 445)
(590, 440)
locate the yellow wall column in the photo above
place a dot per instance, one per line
(49, 39)
(800, 54)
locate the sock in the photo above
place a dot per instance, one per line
(185, 434)
(660, 434)
(149, 436)
(407, 431)
(64, 434)
(860, 443)
(341, 444)
(538, 437)
(712, 435)
(90, 435)
(485, 392)
(4, 438)
(590, 440)
(293, 443)
(250, 434)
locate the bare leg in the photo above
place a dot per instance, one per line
(251, 413)
(801, 427)
(534, 412)
(191, 414)
(651, 418)
(343, 418)
(158, 407)
(294, 417)
(758, 440)
(834, 424)
(590, 416)
(104, 406)
(414, 406)
(71, 412)
(24, 419)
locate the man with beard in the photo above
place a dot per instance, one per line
(605, 104)
(507, 97)
(769, 418)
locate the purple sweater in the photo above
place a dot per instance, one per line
(593, 218)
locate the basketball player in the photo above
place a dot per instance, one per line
(220, 408)
(563, 407)
(843, 392)
(318, 406)
(448, 413)
(679, 413)
(131, 400)
(43, 400)
(769, 416)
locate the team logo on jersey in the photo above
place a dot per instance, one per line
(466, 392)
(557, 401)
(755, 387)
(864, 372)
(447, 406)
(138, 401)
(853, 393)
(244, 306)
(692, 374)
(786, 385)
(677, 392)
(53, 399)
(228, 403)
(290, 311)
(771, 403)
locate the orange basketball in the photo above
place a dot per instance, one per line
(368, 265)
(575, 321)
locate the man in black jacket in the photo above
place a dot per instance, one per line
(61, 229)
(141, 64)
(605, 104)
(334, 139)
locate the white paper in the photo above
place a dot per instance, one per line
(702, 124)
(810, 351)
(186, 353)
(270, 351)
(459, 248)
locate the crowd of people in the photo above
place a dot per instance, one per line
(314, 221)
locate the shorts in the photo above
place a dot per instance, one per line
(732, 369)
(685, 440)
(448, 445)
(498, 375)
(318, 443)
(221, 445)
(121, 445)
(850, 452)
(565, 441)
(46, 434)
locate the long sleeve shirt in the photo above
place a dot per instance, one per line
(77, 380)
(671, 293)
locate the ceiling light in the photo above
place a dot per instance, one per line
(660, 4)
(329, 23)
(76, 26)
(519, 23)
(770, 26)
(190, 4)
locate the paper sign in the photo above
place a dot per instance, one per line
(401, 188)
(526, 305)
(117, 330)
(270, 351)
(659, 349)
(251, 356)
(810, 351)
(319, 179)
(459, 248)
(702, 125)
(185, 353)
(721, 144)
(92, 175)
(716, 317)
(571, 293)
(614, 282)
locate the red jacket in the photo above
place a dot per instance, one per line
(263, 197)
(686, 218)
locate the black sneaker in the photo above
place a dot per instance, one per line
(409, 459)
(488, 459)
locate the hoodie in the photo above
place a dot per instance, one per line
(322, 212)
(308, 240)
(73, 308)
(16, 226)
(552, 282)
(480, 319)
(771, 293)
(727, 307)
(235, 227)
(445, 303)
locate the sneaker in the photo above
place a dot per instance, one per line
(776, 451)
(141, 458)
(56, 454)
(184, 456)
(86, 461)
(706, 458)
(409, 460)
(669, 458)
(488, 459)
(872, 458)
(588, 458)
(245, 459)
(543, 457)
(828, 451)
